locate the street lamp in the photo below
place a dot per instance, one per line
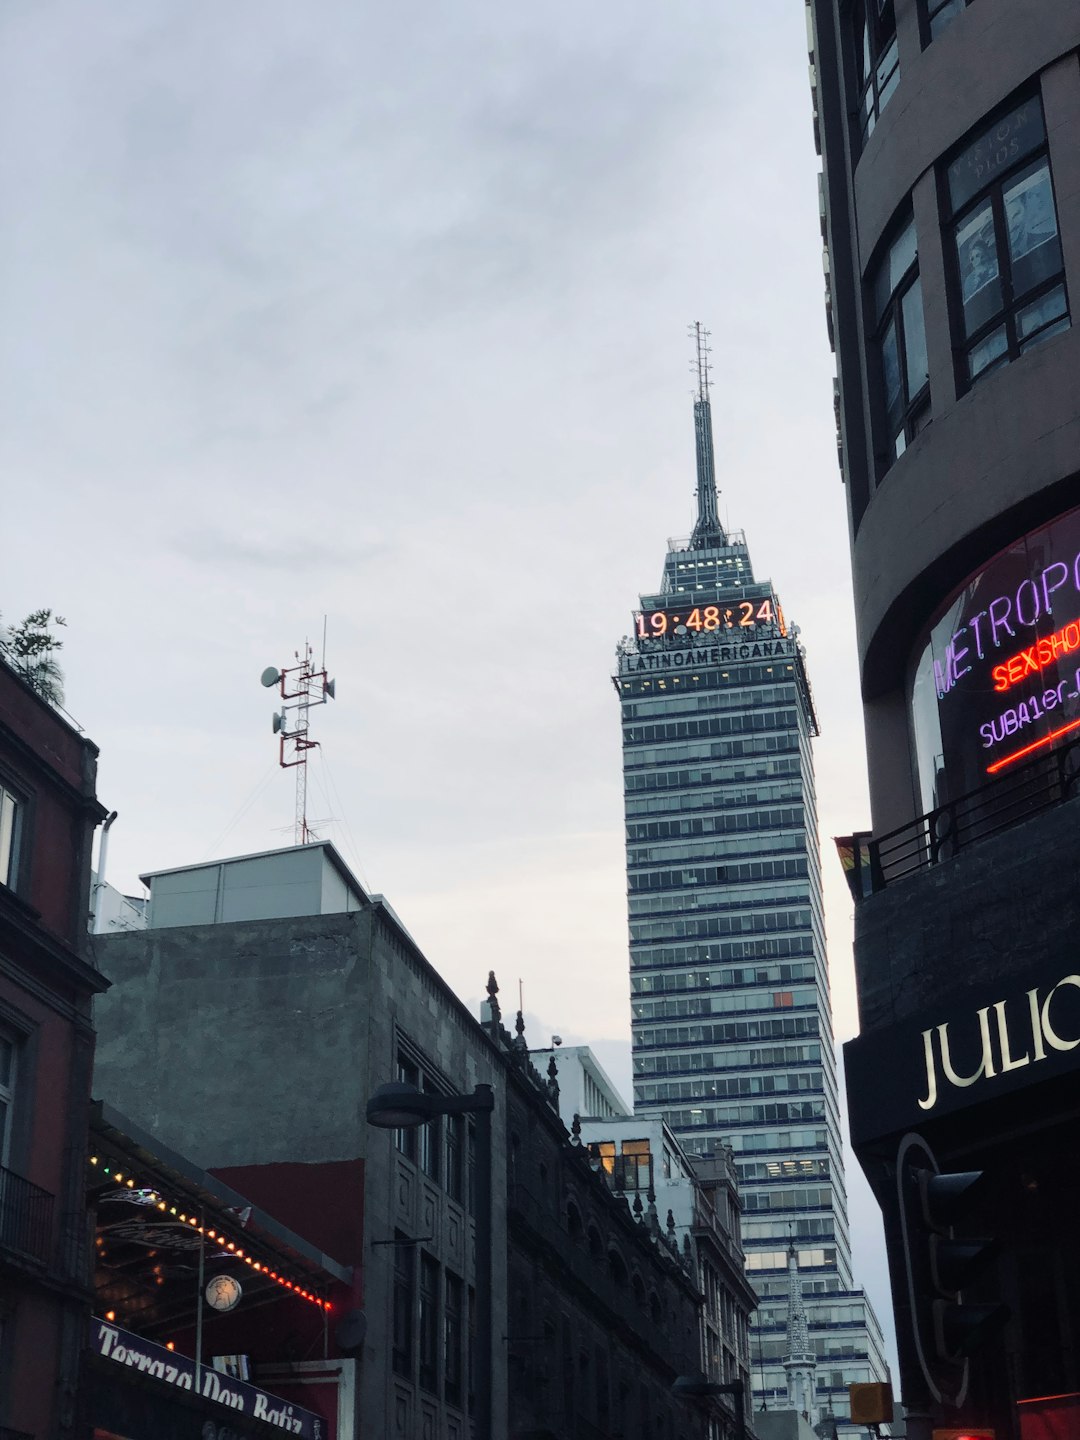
(696, 1387)
(400, 1106)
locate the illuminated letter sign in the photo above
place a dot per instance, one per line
(998, 679)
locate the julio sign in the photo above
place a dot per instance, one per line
(1022, 1031)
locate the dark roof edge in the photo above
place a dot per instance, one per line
(104, 1117)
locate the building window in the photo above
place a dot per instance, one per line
(452, 1133)
(406, 1139)
(9, 817)
(7, 1092)
(429, 1322)
(430, 1140)
(1009, 281)
(877, 60)
(900, 341)
(403, 1305)
(452, 1338)
(634, 1170)
(939, 15)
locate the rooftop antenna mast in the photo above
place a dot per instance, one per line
(302, 686)
(708, 530)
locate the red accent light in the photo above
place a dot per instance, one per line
(1036, 745)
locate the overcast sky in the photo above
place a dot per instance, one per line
(379, 312)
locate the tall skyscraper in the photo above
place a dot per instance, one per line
(732, 1032)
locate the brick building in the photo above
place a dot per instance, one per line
(48, 812)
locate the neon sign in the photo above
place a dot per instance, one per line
(998, 679)
(1036, 657)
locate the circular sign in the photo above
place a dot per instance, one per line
(223, 1292)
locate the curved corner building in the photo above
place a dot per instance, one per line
(950, 134)
(732, 1030)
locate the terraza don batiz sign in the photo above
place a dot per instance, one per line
(156, 1362)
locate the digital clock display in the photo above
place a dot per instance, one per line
(702, 619)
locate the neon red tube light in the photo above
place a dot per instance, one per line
(1036, 745)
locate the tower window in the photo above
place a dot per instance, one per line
(1008, 277)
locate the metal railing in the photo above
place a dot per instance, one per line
(26, 1216)
(1039, 785)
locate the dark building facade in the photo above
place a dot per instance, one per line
(950, 135)
(732, 1024)
(287, 996)
(48, 812)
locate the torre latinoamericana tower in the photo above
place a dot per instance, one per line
(732, 1032)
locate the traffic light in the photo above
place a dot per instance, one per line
(940, 1263)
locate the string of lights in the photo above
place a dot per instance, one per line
(151, 1196)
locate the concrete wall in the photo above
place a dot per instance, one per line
(259, 1043)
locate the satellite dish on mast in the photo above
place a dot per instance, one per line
(270, 676)
(279, 723)
(330, 688)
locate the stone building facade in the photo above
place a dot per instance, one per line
(267, 1000)
(48, 812)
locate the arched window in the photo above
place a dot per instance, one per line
(617, 1269)
(574, 1227)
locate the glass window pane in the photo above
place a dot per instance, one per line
(911, 308)
(976, 255)
(1014, 136)
(981, 357)
(1051, 330)
(7, 1055)
(888, 74)
(890, 372)
(941, 18)
(902, 254)
(7, 835)
(1035, 316)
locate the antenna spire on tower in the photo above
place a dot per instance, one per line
(708, 530)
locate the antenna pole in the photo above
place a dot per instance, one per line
(708, 530)
(308, 687)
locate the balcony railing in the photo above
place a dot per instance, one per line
(1039, 785)
(26, 1213)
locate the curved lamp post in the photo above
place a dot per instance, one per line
(696, 1387)
(399, 1106)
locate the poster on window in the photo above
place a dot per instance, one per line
(1029, 210)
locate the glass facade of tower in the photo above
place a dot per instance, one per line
(732, 1031)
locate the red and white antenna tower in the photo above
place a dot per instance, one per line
(302, 686)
